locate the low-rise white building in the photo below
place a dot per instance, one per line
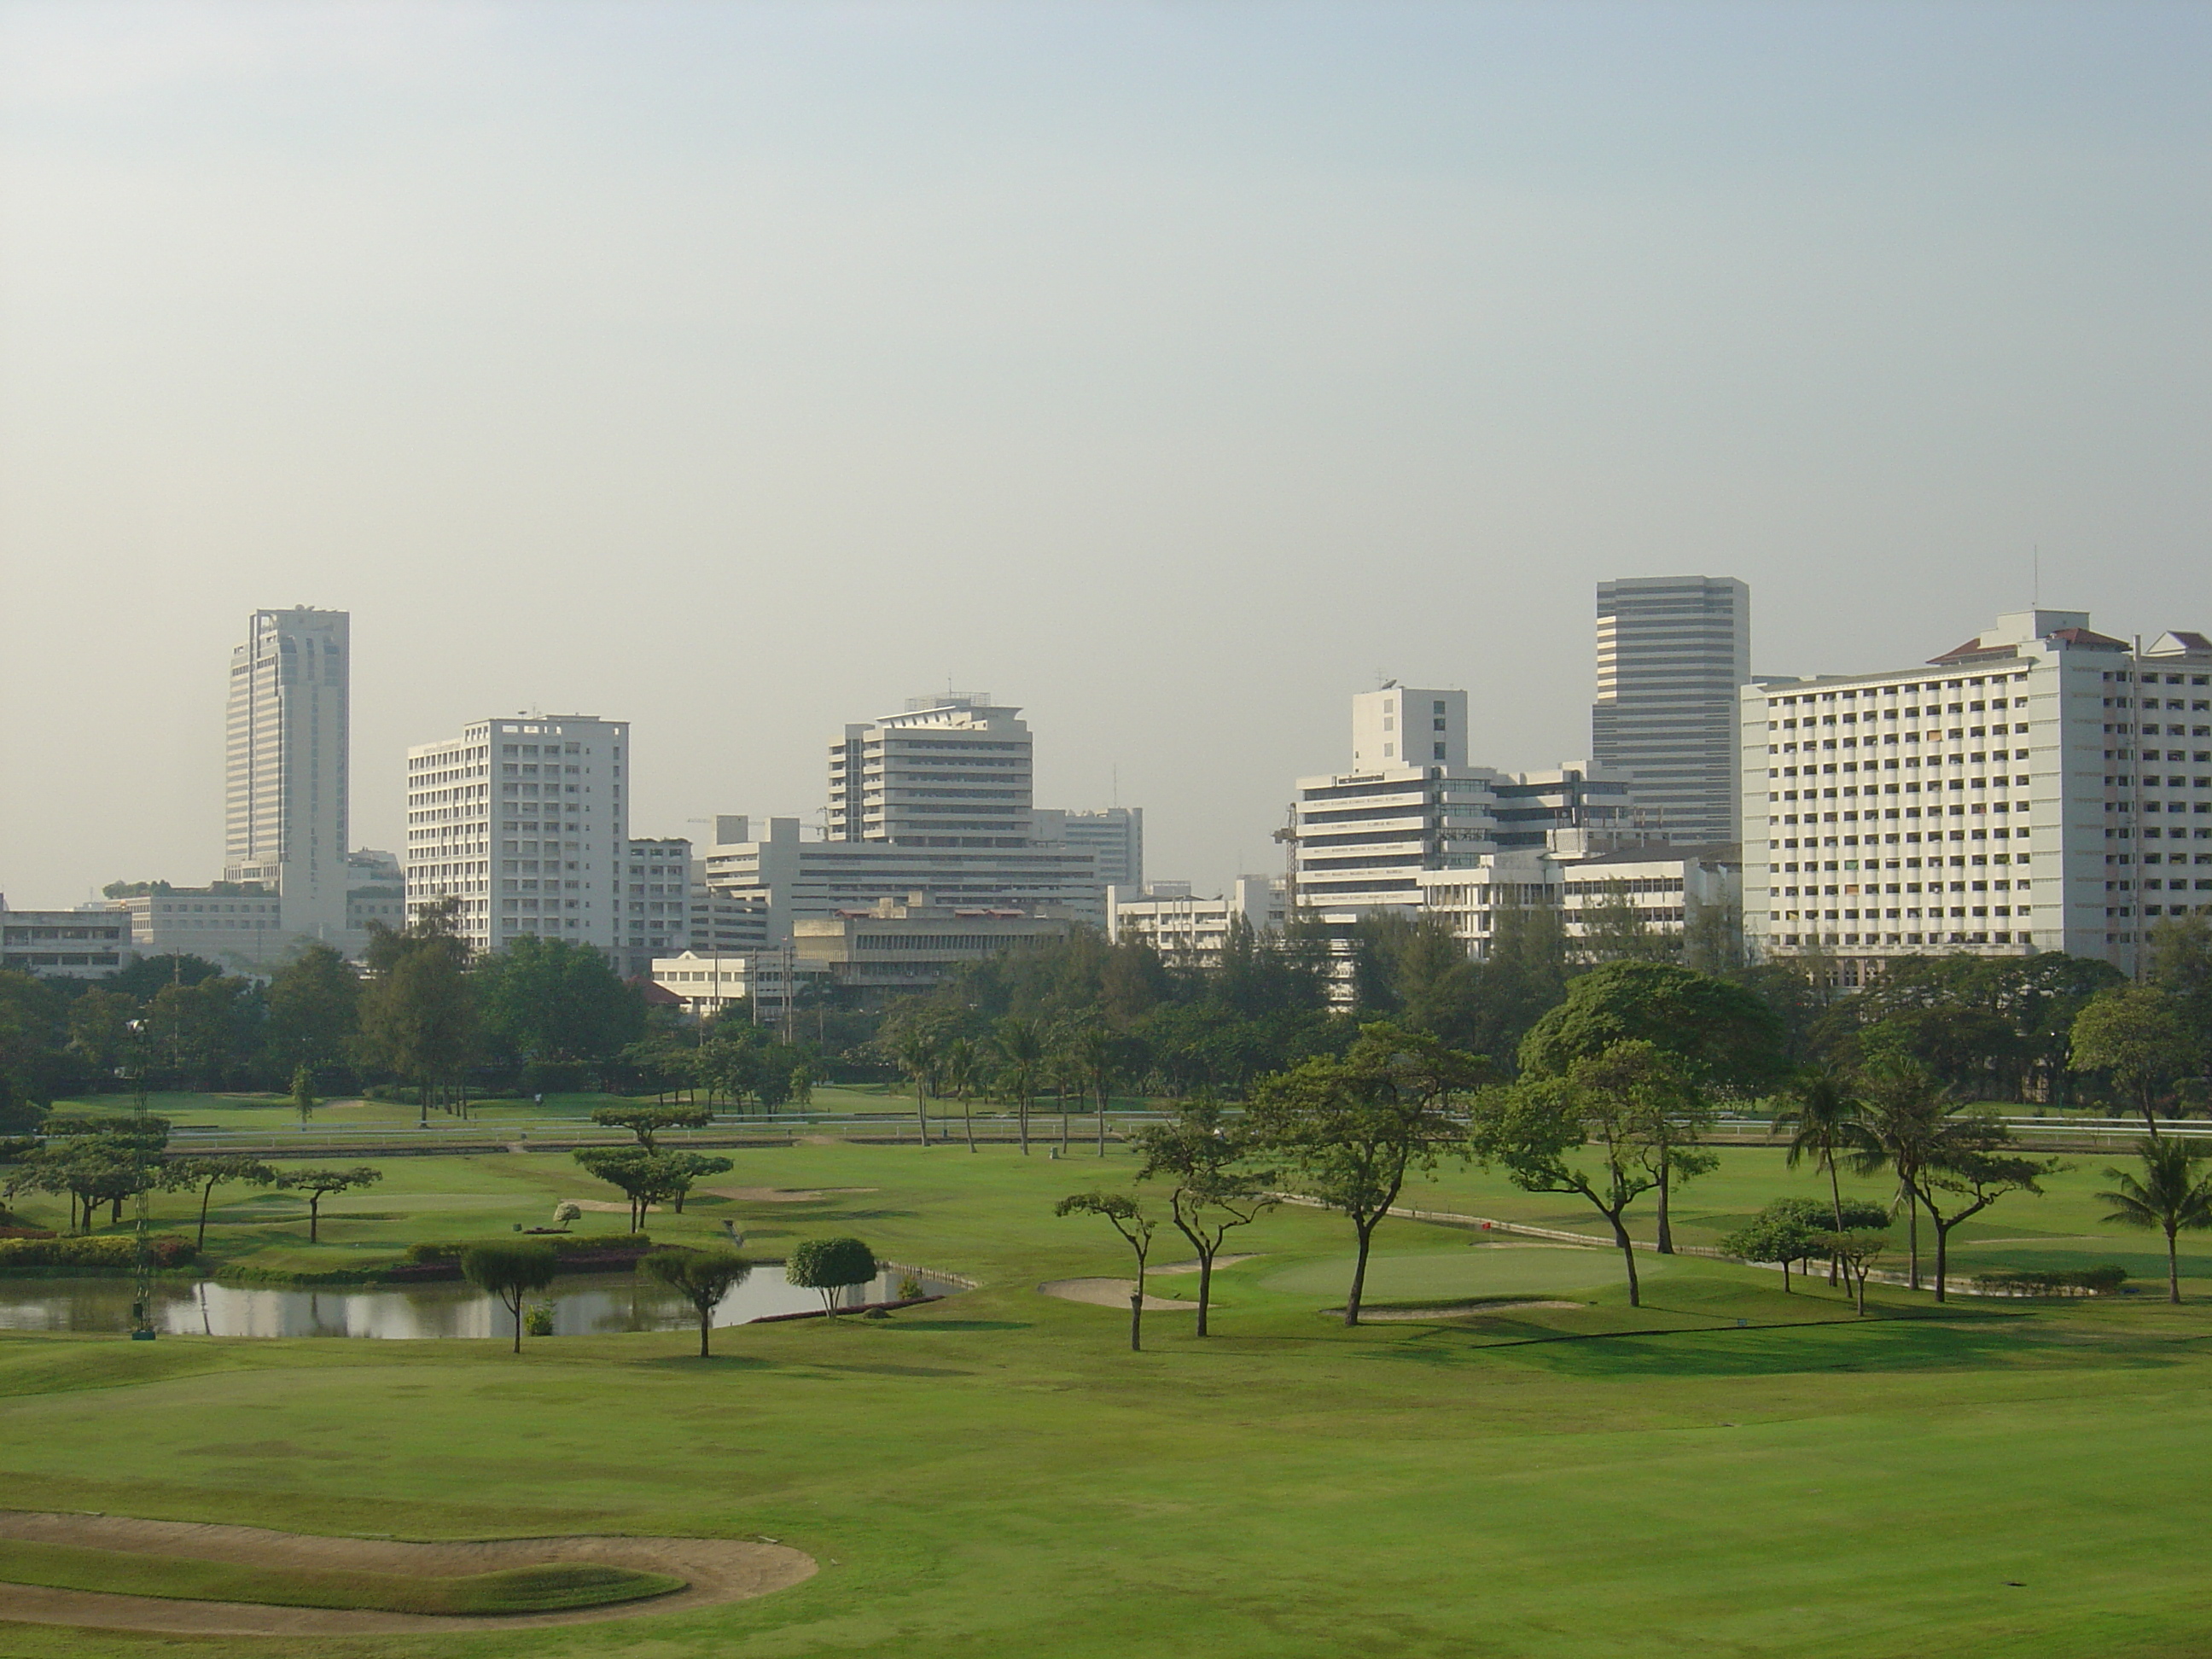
(239, 925)
(709, 982)
(896, 947)
(86, 944)
(1187, 931)
(2041, 788)
(1669, 888)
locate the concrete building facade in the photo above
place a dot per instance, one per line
(1671, 652)
(87, 944)
(896, 947)
(523, 820)
(1190, 931)
(286, 737)
(1114, 835)
(2041, 788)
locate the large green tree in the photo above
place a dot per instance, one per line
(1608, 1108)
(1204, 1157)
(1727, 1037)
(554, 999)
(418, 1014)
(1352, 1130)
(314, 1013)
(2136, 1035)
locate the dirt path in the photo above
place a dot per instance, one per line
(715, 1569)
(1110, 1293)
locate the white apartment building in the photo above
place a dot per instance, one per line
(525, 820)
(655, 910)
(286, 742)
(1671, 652)
(1190, 931)
(2041, 788)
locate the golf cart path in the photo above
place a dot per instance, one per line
(714, 1569)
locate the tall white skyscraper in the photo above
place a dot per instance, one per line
(285, 799)
(1671, 652)
(524, 821)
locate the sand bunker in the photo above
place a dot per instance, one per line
(1110, 1293)
(1192, 1267)
(714, 1569)
(780, 1194)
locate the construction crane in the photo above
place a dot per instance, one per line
(1289, 836)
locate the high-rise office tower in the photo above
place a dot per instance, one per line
(285, 807)
(1671, 652)
(523, 822)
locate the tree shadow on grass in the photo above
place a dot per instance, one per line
(1914, 1344)
(897, 1324)
(720, 1362)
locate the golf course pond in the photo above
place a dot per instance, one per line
(588, 1304)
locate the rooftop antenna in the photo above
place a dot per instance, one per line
(2035, 601)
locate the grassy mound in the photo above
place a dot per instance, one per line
(555, 1586)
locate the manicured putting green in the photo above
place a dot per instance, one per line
(556, 1587)
(1478, 1270)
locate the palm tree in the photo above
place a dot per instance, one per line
(1022, 1047)
(959, 1069)
(1819, 1114)
(1899, 1129)
(919, 1055)
(2170, 1197)
(1096, 1051)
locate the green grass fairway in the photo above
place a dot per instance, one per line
(995, 1476)
(555, 1586)
(1478, 1270)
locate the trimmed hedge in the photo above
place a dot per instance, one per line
(2058, 1281)
(112, 1253)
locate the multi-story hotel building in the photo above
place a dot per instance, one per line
(285, 759)
(2041, 788)
(525, 822)
(1671, 652)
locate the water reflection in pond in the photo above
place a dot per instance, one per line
(588, 1305)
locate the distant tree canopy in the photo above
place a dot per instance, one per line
(554, 999)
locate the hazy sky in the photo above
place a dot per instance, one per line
(1167, 369)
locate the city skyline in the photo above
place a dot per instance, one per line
(1162, 368)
